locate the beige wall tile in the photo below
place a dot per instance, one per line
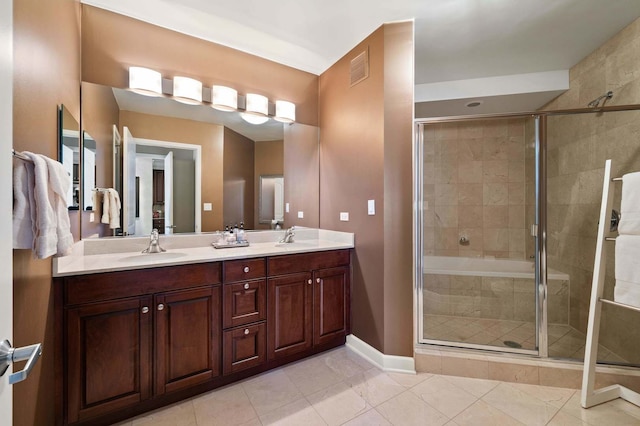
(470, 149)
(513, 372)
(496, 239)
(465, 367)
(470, 194)
(495, 216)
(446, 216)
(470, 216)
(470, 172)
(516, 217)
(446, 194)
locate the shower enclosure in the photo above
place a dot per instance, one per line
(507, 221)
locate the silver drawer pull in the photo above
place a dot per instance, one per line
(318, 280)
(246, 286)
(246, 269)
(160, 307)
(10, 355)
(309, 282)
(145, 309)
(246, 331)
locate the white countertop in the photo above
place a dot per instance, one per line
(80, 263)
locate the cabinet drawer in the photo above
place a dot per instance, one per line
(244, 347)
(244, 302)
(245, 269)
(115, 285)
(288, 264)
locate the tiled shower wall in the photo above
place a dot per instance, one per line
(474, 187)
(578, 147)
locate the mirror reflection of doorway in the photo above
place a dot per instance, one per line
(271, 200)
(168, 192)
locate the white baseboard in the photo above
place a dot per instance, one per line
(392, 363)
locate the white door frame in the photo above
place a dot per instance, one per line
(6, 197)
(197, 152)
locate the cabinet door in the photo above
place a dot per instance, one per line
(244, 303)
(289, 314)
(244, 347)
(108, 357)
(330, 304)
(187, 338)
(158, 186)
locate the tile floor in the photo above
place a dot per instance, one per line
(564, 340)
(340, 388)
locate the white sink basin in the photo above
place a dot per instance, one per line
(152, 257)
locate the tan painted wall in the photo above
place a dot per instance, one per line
(269, 160)
(238, 177)
(578, 147)
(208, 136)
(99, 113)
(46, 74)
(111, 43)
(366, 153)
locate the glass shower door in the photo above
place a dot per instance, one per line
(478, 197)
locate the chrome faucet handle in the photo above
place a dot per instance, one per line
(154, 243)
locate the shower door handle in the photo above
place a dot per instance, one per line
(9, 355)
(534, 230)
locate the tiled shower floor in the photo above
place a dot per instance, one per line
(564, 340)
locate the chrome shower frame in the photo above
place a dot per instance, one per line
(540, 230)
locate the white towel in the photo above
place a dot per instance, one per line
(46, 236)
(627, 288)
(96, 206)
(114, 208)
(105, 208)
(59, 184)
(23, 203)
(630, 206)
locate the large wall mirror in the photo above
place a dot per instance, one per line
(69, 153)
(186, 168)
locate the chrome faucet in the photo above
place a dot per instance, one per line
(288, 235)
(154, 243)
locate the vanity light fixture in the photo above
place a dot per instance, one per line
(145, 81)
(285, 112)
(256, 109)
(224, 98)
(187, 90)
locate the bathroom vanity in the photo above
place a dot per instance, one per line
(144, 335)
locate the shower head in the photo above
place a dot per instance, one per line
(596, 102)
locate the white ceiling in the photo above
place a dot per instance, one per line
(455, 39)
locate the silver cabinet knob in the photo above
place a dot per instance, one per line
(145, 309)
(160, 307)
(309, 282)
(246, 331)
(246, 269)
(318, 280)
(246, 286)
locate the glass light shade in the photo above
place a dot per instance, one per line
(285, 112)
(187, 90)
(145, 81)
(256, 104)
(254, 118)
(224, 98)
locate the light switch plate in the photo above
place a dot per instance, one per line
(286, 207)
(371, 207)
(92, 217)
(344, 216)
(207, 207)
(300, 215)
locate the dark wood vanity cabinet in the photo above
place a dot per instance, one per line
(187, 338)
(132, 341)
(308, 299)
(158, 187)
(130, 336)
(244, 312)
(108, 356)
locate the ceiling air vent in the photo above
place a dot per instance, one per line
(359, 68)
